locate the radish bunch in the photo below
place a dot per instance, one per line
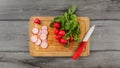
(67, 27)
(59, 33)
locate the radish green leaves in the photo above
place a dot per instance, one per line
(69, 23)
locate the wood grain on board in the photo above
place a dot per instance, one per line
(54, 47)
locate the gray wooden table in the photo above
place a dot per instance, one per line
(14, 33)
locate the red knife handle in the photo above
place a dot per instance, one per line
(79, 51)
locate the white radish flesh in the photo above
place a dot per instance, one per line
(35, 30)
(44, 32)
(33, 38)
(43, 37)
(38, 42)
(44, 27)
(44, 45)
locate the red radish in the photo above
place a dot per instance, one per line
(61, 33)
(56, 31)
(37, 21)
(44, 32)
(71, 38)
(33, 38)
(43, 37)
(57, 37)
(57, 25)
(63, 41)
(35, 30)
(44, 44)
(44, 27)
(38, 42)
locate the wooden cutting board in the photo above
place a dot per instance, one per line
(55, 49)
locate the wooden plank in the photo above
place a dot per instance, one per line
(14, 35)
(24, 9)
(54, 47)
(106, 35)
(95, 60)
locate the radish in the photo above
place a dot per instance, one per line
(33, 38)
(37, 21)
(63, 41)
(57, 25)
(56, 31)
(44, 32)
(71, 38)
(44, 27)
(57, 37)
(39, 33)
(35, 30)
(44, 44)
(38, 42)
(43, 37)
(61, 33)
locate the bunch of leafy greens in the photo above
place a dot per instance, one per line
(69, 23)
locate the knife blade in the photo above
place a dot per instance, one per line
(83, 43)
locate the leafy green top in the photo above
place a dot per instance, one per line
(69, 23)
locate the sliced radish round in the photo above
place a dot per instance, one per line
(33, 38)
(44, 45)
(44, 32)
(44, 27)
(43, 37)
(38, 42)
(35, 30)
(39, 33)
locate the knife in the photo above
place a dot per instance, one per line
(83, 43)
